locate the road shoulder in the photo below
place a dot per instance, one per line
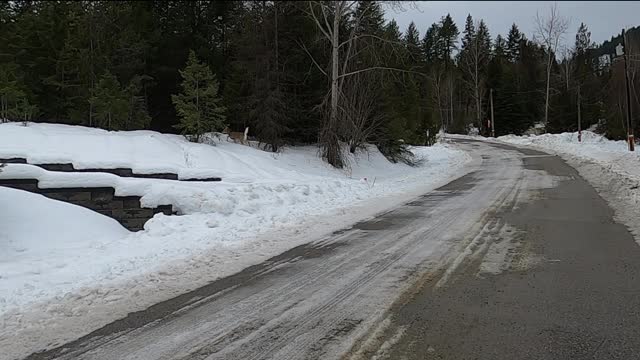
(567, 290)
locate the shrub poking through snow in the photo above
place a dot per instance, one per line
(397, 151)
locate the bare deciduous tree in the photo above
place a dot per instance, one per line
(437, 77)
(476, 56)
(359, 109)
(328, 17)
(550, 30)
(568, 65)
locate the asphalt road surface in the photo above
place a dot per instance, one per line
(519, 259)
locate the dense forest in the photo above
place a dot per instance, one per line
(330, 73)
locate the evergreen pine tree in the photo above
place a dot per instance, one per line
(447, 37)
(25, 111)
(198, 105)
(412, 43)
(372, 17)
(10, 91)
(109, 103)
(514, 39)
(484, 38)
(138, 116)
(499, 47)
(469, 33)
(429, 43)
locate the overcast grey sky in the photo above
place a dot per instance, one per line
(604, 18)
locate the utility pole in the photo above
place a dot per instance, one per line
(493, 128)
(579, 119)
(630, 138)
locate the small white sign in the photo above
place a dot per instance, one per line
(619, 50)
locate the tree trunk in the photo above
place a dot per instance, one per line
(566, 71)
(91, 67)
(546, 101)
(198, 111)
(477, 88)
(275, 4)
(451, 99)
(332, 145)
(439, 99)
(334, 74)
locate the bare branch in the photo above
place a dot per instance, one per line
(350, 42)
(326, 17)
(359, 110)
(380, 68)
(362, 36)
(350, 6)
(318, 24)
(304, 47)
(551, 30)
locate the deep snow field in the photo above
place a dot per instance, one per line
(60, 261)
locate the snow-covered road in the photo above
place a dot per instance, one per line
(316, 300)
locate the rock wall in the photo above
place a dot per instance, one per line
(127, 210)
(124, 172)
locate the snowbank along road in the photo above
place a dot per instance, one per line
(59, 282)
(518, 259)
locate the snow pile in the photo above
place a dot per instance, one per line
(265, 204)
(34, 240)
(143, 151)
(304, 184)
(613, 155)
(592, 144)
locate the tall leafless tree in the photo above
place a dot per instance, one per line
(473, 62)
(328, 17)
(568, 65)
(550, 31)
(437, 78)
